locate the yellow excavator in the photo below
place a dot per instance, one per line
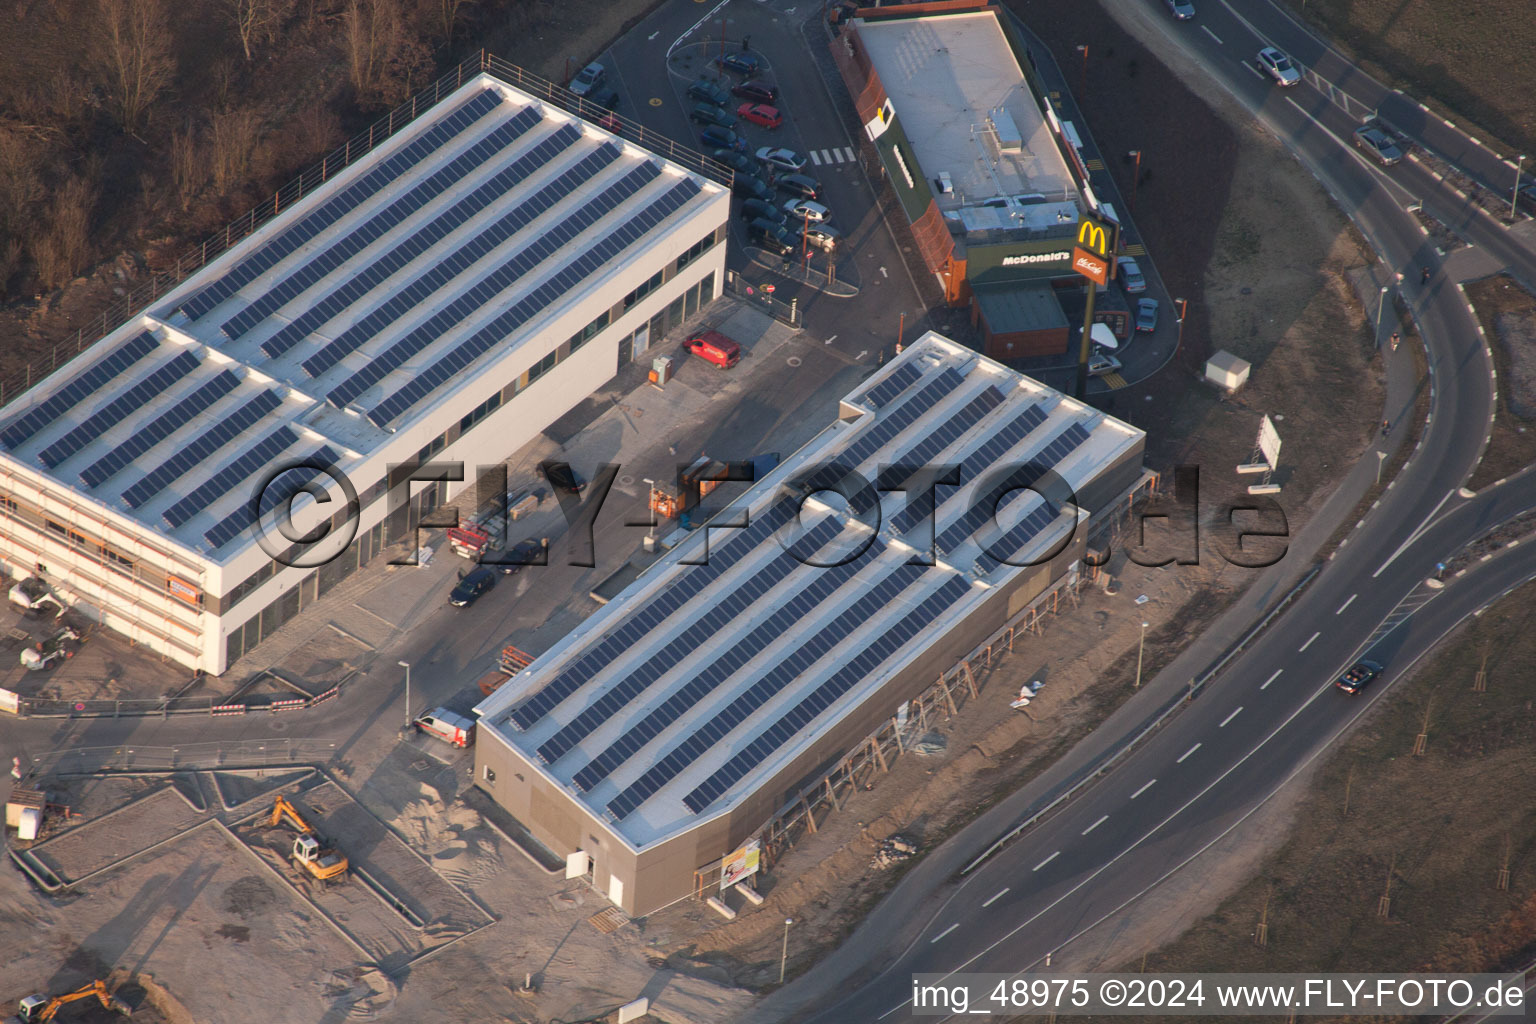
(323, 862)
(38, 1008)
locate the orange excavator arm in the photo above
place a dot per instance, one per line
(282, 808)
(96, 989)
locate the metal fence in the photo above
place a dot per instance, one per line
(762, 297)
(277, 751)
(38, 707)
(195, 259)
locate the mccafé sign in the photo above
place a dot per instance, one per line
(1090, 257)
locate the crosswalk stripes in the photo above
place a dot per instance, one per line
(1095, 164)
(1115, 381)
(1135, 250)
(845, 155)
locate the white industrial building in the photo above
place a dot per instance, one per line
(445, 297)
(670, 726)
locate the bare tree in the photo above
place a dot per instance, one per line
(63, 247)
(131, 52)
(189, 162)
(233, 135)
(257, 21)
(448, 13)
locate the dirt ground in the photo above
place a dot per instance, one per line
(1466, 58)
(1507, 313)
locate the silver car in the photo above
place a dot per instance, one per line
(805, 210)
(1279, 66)
(1131, 276)
(588, 78)
(822, 236)
(1378, 143)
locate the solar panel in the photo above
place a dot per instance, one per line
(859, 667)
(981, 511)
(234, 473)
(258, 261)
(158, 429)
(498, 330)
(820, 585)
(408, 295)
(119, 409)
(280, 489)
(899, 380)
(73, 393)
(867, 606)
(200, 447)
(926, 450)
(718, 615)
(1011, 543)
(375, 227)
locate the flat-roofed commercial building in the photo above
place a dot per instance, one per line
(990, 177)
(445, 297)
(674, 723)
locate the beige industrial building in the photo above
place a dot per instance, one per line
(668, 728)
(445, 297)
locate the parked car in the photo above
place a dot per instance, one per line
(760, 89)
(751, 209)
(565, 478)
(805, 210)
(744, 63)
(471, 585)
(1527, 196)
(1101, 363)
(1378, 143)
(446, 725)
(1358, 677)
(1131, 276)
(822, 236)
(511, 560)
(708, 113)
(750, 186)
(799, 185)
(781, 159)
(771, 236)
(1183, 10)
(1279, 66)
(760, 114)
(714, 347)
(738, 162)
(1146, 315)
(722, 138)
(588, 78)
(706, 91)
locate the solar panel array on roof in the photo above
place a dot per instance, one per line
(119, 409)
(392, 262)
(493, 284)
(899, 380)
(793, 665)
(1014, 431)
(375, 227)
(466, 352)
(158, 429)
(234, 473)
(1011, 543)
(899, 419)
(407, 296)
(333, 209)
(279, 489)
(820, 585)
(635, 626)
(983, 508)
(715, 618)
(76, 391)
(201, 447)
(882, 646)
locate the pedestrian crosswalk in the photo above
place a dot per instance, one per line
(1095, 164)
(1114, 381)
(1136, 249)
(833, 156)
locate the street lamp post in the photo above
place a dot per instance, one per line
(407, 666)
(1083, 49)
(1136, 177)
(784, 956)
(1183, 307)
(1141, 646)
(1515, 193)
(1380, 304)
(650, 504)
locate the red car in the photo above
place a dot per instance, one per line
(760, 114)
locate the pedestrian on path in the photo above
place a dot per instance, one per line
(1386, 425)
(1395, 339)
(1423, 275)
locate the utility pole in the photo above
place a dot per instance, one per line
(784, 956)
(1139, 648)
(1380, 303)
(1183, 307)
(1082, 96)
(407, 666)
(1085, 352)
(1136, 177)
(1515, 194)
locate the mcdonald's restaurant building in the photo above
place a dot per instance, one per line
(989, 174)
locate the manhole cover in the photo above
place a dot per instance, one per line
(626, 480)
(420, 766)
(279, 726)
(793, 360)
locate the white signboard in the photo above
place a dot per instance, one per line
(741, 865)
(10, 701)
(877, 125)
(1269, 443)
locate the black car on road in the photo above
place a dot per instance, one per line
(741, 63)
(471, 585)
(799, 185)
(1359, 675)
(511, 560)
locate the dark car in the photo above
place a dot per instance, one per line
(511, 560)
(1378, 143)
(752, 209)
(1146, 315)
(1183, 10)
(771, 236)
(471, 585)
(708, 113)
(563, 477)
(722, 138)
(750, 186)
(706, 91)
(741, 63)
(738, 162)
(800, 185)
(760, 89)
(1358, 677)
